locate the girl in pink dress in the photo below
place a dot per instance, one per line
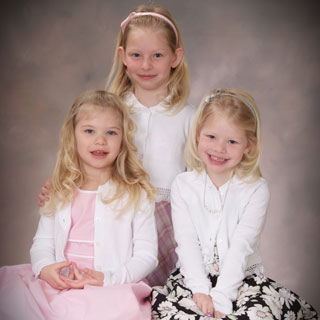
(96, 240)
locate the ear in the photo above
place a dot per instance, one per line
(250, 144)
(122, 55)
(178, 55)
(197, 137)
(247, 149)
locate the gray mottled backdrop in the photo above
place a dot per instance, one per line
(53, 50)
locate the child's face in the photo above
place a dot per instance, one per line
(221, 146)
(149, 60)
(98, 135)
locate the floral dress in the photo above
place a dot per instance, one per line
(259, 298)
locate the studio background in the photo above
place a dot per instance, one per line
(51, 51)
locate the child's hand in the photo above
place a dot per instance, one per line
(83, 277)
(51, 274)
(204, 302)
(44, 193)
(219, 315)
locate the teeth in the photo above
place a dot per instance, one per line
(217, 159)
(98, 152)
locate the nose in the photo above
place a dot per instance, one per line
(146, 63)
(220, 146)
(101, 139)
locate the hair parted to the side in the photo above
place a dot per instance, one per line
(178, 85)
(232, 104)
(128, 174)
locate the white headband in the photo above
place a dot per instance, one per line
(218, 93)
(132, 15)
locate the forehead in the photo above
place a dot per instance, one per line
(146, 35)
(90, 111)
(221, 121)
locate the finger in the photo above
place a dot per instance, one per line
(71, 274)
(40, 203)
(47, 184)
(75, 284)
(89, 273)
(77, 272)
(61, 284)
(44, 192)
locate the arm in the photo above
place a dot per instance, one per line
(145, 248)
(42, 251)
(242, 244)
(188, 250)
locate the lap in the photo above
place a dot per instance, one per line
(258, 298)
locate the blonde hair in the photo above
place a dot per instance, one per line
(178, 85)
(127, 174)
(241, 108)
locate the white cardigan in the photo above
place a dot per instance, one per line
(125, 247)
(237, 232)
(161, 139)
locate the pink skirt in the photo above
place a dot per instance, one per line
(22, 296)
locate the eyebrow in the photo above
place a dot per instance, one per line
(91, 126)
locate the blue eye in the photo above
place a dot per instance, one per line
(89, 131)
(158, 55)
(135, 55)
(111, 133)
(233, 142)
(211, 136)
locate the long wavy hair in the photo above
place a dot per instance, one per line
(118, 81)
(244, 117)
(128, 174)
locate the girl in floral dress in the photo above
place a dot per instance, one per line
(218, 212)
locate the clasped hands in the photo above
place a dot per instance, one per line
(76, 278)
(205, 304)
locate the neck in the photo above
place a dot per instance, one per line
(220, 180)
(93, 180)
(150, 98)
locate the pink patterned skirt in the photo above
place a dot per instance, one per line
(166, 245)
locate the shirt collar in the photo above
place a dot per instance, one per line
(132, 100)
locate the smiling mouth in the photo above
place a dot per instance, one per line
(146, 76)
(218, 159)
(99, 153)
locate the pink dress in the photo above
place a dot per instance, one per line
(22, 296)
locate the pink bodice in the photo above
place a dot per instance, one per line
(80, 244)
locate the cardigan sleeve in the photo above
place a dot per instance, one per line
(145, 249)
(42, 251)
(190, 257)
(242, 243)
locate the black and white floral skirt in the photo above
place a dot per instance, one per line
(259, 298)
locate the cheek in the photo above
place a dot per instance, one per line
(132, 65)
(202, 146)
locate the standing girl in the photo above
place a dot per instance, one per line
(150, 74)
(218, 212)
(97, 233)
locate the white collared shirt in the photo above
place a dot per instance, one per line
(236, 231)
(125, 247)
(161, 140)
